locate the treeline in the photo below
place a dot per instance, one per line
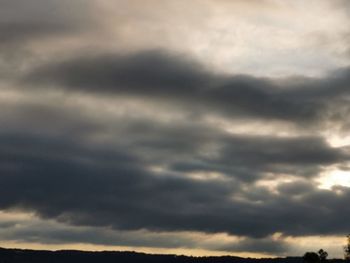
(71, 256)
(321, 255)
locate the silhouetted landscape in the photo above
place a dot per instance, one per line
(68, 256)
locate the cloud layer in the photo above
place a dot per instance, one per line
(151, 145)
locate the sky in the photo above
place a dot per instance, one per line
(196, 127)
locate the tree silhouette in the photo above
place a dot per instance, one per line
(322, 255)
(347, 248)
(311, 257)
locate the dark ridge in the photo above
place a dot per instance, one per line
(70, 256)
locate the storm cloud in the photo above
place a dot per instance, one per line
(87, 185)
(174, 79)
(165, 127)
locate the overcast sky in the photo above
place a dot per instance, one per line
(199, 127)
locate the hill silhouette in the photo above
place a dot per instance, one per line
(75, 256)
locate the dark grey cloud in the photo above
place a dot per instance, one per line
(22, 20)
(158, 76)
(26, 25)
(50, 164)
(295, 188)
(266, 245)
(83, 160)
(249, 157)
(50, 232)
(184, 146)
(152, 73)
(82, 185)
(15, 31)
(40, 118)
(181, 147)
